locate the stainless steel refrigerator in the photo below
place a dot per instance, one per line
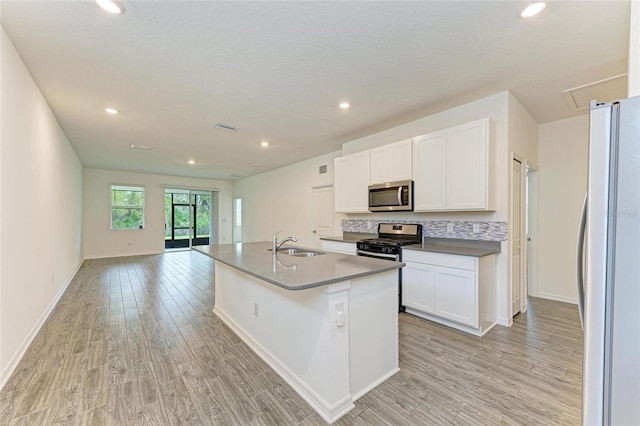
(609, 267)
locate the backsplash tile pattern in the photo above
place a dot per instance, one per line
(488, 231)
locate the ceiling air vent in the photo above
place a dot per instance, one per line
(322, 169)
(227, 127)
(606, 90)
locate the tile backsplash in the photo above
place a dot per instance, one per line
(487, 231)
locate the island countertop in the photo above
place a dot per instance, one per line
(291, 272)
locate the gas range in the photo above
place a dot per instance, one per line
(391, 237)
(388, 245)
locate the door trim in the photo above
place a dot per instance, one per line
(523, 245)
(312, 208)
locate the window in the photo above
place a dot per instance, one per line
(127, 207)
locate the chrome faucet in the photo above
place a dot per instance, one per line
(275, 245)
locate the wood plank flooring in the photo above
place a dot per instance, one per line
(134, 341)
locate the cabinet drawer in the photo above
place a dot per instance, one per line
(339, 246)
(441, 259)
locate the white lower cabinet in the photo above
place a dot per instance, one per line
(339, 246)
(458, 291)
(455, 294)
(418, 286)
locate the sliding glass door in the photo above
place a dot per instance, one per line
(188, 218)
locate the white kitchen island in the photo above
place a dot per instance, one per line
(327, 324)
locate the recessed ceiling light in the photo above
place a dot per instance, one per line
(114, 7)
(111, 110)
(533, 9)
(255, 164)
(264, 144)
(344, 105)
(192, 162)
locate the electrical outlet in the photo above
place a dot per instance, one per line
(255, 309)
(449, 227)
(53, 279)
(339, 314)
(476, 228)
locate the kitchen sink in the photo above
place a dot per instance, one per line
(308, 253)
(299, 252)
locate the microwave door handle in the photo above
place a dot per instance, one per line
(400, 195)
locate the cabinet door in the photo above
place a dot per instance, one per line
(418, 281)
(456, 295)
(351, 181)
(390, 163)
(401, 164)
(429, 172)
(467, 173)
(381, 164)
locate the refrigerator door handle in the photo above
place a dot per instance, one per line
(580, 260)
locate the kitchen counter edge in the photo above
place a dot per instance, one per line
(456, 250)
(382, 266)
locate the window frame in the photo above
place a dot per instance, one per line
(127, 187)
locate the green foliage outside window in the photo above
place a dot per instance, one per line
(127, 207)
(178, 209)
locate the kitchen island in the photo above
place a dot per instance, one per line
(326, 323)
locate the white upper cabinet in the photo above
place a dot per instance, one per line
(352, 183)
(430, 172)
(392, 162)
(452, 170)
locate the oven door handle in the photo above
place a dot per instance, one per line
(400, 195)
(377, 255)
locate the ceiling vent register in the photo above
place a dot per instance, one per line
(227, 127)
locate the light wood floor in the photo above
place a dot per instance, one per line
(134, 341)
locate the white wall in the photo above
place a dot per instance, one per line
(563, 155)
(523, 131)
(633, 86)
(281, 200)
(101, 241)
(41, 198)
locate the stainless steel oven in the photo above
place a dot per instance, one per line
(391, 196)
(388, 246)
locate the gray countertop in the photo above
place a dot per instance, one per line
(350, 237)
(457, 247)
(295, 273)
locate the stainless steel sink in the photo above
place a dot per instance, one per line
(308, 254)
(299, 252)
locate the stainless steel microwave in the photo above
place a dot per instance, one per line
(391, 196)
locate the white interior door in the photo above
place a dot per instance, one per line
(516, 241)
(322, 213)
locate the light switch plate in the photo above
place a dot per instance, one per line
(476, 228)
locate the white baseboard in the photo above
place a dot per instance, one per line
(505, 322)
(107, 256)
(329, 412)
(8, 370)
(558, 298)
(369, 388)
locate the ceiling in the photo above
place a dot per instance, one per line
(278, 70)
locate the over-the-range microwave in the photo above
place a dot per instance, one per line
(391, 196)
